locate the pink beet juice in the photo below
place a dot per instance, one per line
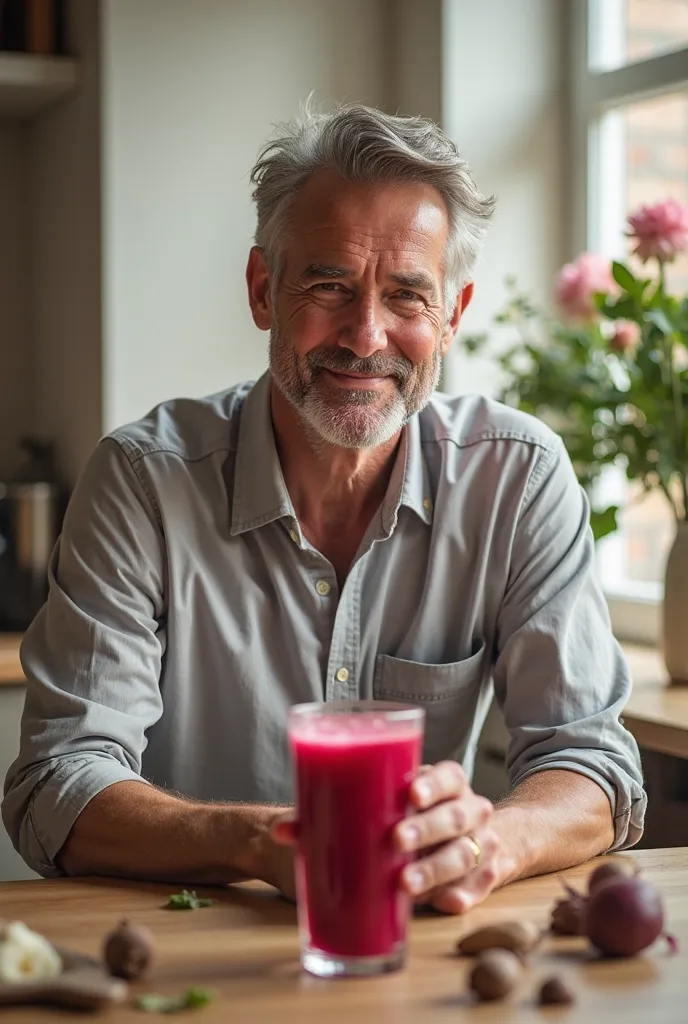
(354, 762)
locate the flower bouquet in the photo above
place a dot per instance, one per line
(610, 375)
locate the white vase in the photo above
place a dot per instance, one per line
(675, 609)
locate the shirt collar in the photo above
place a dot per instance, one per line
(260, 493)
(409, 484)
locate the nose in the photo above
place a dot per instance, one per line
(364, 331)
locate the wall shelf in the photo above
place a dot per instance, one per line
(30, 84)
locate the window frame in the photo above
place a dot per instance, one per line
(594, 93)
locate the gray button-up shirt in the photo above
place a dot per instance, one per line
(187, 612)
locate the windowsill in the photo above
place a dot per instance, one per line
(657, 711)
(636, 618)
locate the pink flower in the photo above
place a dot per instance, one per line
(661, 230)
(625, 337)
(577, 282)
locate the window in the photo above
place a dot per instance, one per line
(630, 146)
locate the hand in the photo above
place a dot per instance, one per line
(446, 875)
(275, 854)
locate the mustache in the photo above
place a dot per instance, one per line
(344, 361)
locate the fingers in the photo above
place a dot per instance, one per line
(438, 782)
(444, 822)
(285, 831)
(460, 897)
(449, 864)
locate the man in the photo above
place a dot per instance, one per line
(335, 531)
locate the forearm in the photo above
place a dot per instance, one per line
(553, 820)
(133, 830)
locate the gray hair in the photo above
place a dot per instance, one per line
(363, 144)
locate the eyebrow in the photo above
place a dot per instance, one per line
(325, 270)
(407, 279)
(414, 279)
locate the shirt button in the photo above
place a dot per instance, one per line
(294, 536)
(323, 588)
(342, 675)
(427, 504)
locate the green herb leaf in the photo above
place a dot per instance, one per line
(192, 999)
(186, 900)
(198, 997)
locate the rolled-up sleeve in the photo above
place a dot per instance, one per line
(92, 659)
(560, 676)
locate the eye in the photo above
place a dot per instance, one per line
(328, 286)
(405, 295)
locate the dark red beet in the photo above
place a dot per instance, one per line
(624, 916)
(608, 870)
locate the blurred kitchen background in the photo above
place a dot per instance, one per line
(127, 132)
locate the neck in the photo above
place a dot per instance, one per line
(334, 490)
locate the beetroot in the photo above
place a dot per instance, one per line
(608, 870)
(624, 916)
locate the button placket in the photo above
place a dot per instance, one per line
(343, 656)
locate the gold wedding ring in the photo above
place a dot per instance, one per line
(476, 848)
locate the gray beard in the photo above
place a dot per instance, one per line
(357, 418)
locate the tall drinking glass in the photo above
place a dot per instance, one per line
(354, 762)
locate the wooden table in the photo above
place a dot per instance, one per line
(245, 947)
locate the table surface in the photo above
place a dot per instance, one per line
(245, 947)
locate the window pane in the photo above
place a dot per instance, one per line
(643, 158)
(656, 133)
(632, 560)
(627, 31)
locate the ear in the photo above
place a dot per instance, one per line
(451, 327)
(258, 283)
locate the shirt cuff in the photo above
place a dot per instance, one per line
(57, 803)
(628, 801)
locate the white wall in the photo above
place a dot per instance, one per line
(15, 355)
(190, 91)
(416, 37)
(503, 104)
(64, 182)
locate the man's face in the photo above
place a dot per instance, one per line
(357, 318)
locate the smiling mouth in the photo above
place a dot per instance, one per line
(357, 380)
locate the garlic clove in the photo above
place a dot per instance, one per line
(27, 956)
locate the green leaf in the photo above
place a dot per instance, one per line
(626, 309)
(198, 997)
(473, 343)
(186, 900)
(623, 276)
(192, 999)
(603, 521)
(659, 318)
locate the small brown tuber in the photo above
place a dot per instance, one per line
(555, 991)
(129, 951)
(568, 916)
(520, 937)
(496, 974)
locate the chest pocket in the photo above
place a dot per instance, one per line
(448, 694)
